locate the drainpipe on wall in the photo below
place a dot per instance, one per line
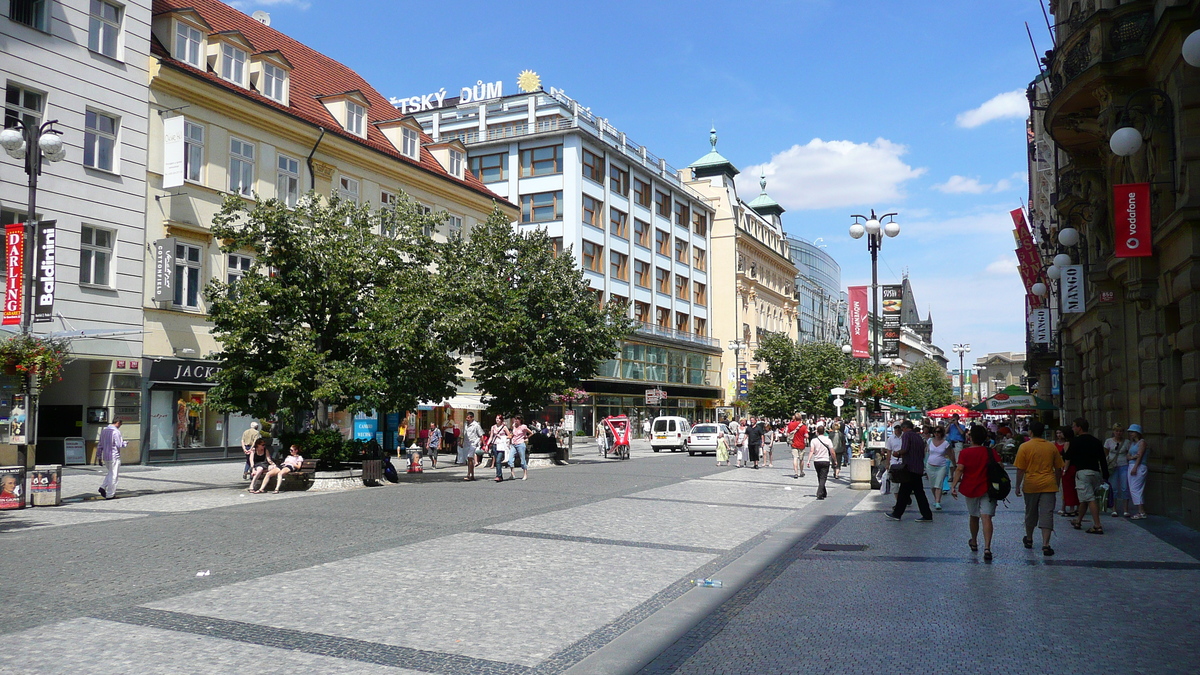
(312, 179)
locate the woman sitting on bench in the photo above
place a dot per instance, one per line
(290, 463)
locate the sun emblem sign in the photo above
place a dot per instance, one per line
(528, 81)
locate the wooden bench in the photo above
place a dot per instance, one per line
(308, 469)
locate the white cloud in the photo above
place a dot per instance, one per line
(1002, 266)
(962, 184)
(830, 174)
(1009, 105)
(987, 221)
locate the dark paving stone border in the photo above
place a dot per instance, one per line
(693, 501)
(1025, 562)
(599, 540)
(313, 643)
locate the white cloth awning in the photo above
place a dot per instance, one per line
(464, 402)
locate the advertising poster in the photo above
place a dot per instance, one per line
(12, 487)
(858, 315)
(892, 301)
(1039, 326)
(43, 273)
(1073, 301)
(14, 267)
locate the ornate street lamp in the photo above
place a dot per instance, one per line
(961, 350)
(874, 231)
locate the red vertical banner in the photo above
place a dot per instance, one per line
(857, 314)
(14, 264)
(1131, 220)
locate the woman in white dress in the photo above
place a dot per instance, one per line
(1137, 470)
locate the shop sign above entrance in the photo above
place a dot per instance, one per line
(655, 396)
(183, 372)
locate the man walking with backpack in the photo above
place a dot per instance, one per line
(1039, 474)
(971, 479)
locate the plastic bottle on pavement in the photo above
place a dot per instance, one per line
(708, 583)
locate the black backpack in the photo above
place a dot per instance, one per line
(998, 482)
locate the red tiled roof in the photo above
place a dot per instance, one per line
(313, 75)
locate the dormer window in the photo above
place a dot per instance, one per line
(189, 44)
(233, 64)
(411, 143)
(456, 163)
(273, 81)
(356, 117)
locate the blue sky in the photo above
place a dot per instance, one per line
(848, 105)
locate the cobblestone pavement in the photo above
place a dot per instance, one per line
(585, 568)
(916, 597)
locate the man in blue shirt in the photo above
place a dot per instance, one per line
(956, 434)
(912, 452)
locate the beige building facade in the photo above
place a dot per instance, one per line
(753, 277)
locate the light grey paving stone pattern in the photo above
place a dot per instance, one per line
(537, 597)
(655, 522)
(96, 646)
(759, 493)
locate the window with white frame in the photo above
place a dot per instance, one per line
(95, 255)
(193, 151)
(238, 267)
(188, 44)
(356, 117)
(287, 182)
(188, 266)
(387, 200)
(348, 188)
(454, 226)
(104, 27)
(274, 83)
(99, 141)
(411, 143)
(22, 105)
(241, 167)
(456, 163)
(233, 64)
(32, 13)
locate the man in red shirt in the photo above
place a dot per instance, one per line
(797, 433)
(970, 478)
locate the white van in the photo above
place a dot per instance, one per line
(669, 432)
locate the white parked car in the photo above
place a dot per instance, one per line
(669, 432)
(704, 438)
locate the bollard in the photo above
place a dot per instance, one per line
(860, 473)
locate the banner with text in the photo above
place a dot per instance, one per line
(1029, 257)
(1073, 300)
(859, 327)
(173, 152)
(164, 270)
(1039, 326)
(1131, 220)
(43, 285)
(893, 298)
(14, 266)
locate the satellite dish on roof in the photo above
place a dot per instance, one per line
(262, 17)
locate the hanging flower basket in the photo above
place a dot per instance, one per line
(28, 354)
(570, 396)
(871, 385)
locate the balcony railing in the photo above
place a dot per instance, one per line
(647, 328)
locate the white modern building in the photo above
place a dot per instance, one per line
(639, 233)
(821, 302)
(83, 65)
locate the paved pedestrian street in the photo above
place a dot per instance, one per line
(584, 569)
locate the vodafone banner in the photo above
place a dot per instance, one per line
(858, 315)
(14, 264)
(1131, 220)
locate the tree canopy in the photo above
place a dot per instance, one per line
(528, 318)
(925, 386)
(798, 377)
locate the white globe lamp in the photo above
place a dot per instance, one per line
(1039, 289)
(11, 140)
(1125, 141)
(857, 231)
(1062, 260)
(1068, 236)
(891, 229)
(1054, 272)
(846, 349)
(51, 145)
(1191, 49)
(872, 227)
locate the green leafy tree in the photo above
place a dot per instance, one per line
(527, 315)
(331, 312)
(925, 386)
(798, 377)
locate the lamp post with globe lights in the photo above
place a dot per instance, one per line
(35, 144)
(962, 350)
(875, 230)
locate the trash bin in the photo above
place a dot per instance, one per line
(12, 487)
(45, 485)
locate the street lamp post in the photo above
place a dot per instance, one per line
(32, 143)
(979, 387)
(737, 346)
(961, 350)
(874, 231)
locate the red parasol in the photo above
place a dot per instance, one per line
(952, 410)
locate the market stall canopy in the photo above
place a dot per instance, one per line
(910, 413)
(951, 410)
(1013, 400)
